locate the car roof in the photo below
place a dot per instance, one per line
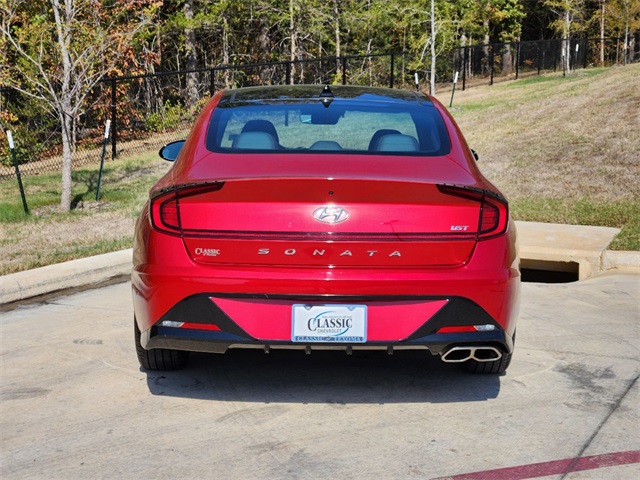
(288, 93)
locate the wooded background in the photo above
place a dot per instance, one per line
(56, 54)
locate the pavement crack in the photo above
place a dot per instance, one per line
(595, 433)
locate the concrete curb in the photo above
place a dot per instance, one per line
(543, 246)
(573, 248)
(63, 276)
(627, 262)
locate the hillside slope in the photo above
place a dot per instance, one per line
(554, 137)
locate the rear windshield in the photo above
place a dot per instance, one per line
(344, 126)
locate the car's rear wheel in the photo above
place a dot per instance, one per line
(159, 358)
(493, 367)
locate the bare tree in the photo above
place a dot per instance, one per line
(602, 17)
(190, 50)
(62, 69)
(626, 15)
(568, 12)
(431, 43)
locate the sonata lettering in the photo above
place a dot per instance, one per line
(290, 252)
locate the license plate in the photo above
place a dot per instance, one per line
(329, 323)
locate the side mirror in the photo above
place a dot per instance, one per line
(171, 150)
(475, 154)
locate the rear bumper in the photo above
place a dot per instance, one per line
(419, 330)
(168, 285)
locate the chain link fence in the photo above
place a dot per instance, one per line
(147, 111)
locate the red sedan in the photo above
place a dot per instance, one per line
(310, 218)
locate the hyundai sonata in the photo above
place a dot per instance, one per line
(309, 218)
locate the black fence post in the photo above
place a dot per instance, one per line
(114, 123)
(287, 73)
(517, 58)
(392, 68)
(344, 70)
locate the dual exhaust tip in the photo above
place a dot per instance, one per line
(465, 353)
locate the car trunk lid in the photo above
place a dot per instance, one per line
(323, 222)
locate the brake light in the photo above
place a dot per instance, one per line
(494, 209)
(170, 213)
(165, 206)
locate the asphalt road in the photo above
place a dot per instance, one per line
(75, 404)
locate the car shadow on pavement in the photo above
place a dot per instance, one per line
(323, 377)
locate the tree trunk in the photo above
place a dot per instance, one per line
(191, 59)
(432, 80)
(485, 43)
(266, 74)
(602, 4)
(336, 13)
(507, 59)
(67, 160)
(292, 42)
(63, 20)
(225, 51)
(626, 41)
(567, 42)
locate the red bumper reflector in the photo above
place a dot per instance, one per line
(461, 329)
(201, 326)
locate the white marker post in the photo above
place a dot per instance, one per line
(455, 81)
(104, 150)
(417, 82)
(18, 176)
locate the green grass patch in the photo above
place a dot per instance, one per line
(534, 80)
(124, 185)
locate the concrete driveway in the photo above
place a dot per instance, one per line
(74, 403)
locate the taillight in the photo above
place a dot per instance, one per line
(494, 209)
(165, 206)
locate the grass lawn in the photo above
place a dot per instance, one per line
(563, 150)
(48, 236)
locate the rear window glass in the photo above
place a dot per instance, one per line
(344, 126)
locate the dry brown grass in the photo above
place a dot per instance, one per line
(554, 137)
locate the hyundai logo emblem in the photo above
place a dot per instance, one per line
(330, 214)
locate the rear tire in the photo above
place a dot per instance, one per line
(491, 368)
(159, 358)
